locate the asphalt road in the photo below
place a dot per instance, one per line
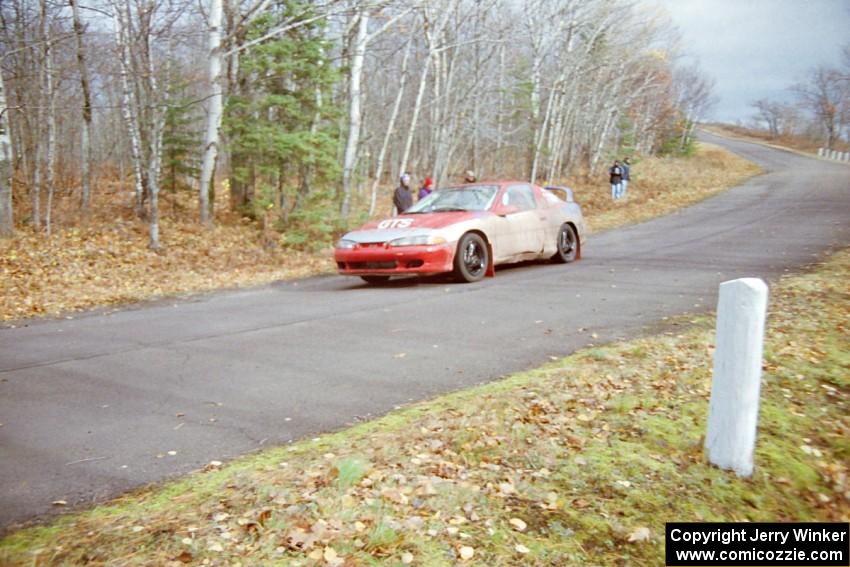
(91, 406)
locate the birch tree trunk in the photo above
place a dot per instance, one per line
(432, 31)
(127, 103)
(379, 167)
(35, 193)
(50, 158)
(597, 153)
(540, 135)
(536, 64)
(417, 108)
(156, 126)
(214, 113)
(498, 165)
(85, 134)
(354, 117)
(476, 107)
(7, 220)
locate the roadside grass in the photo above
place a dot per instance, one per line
(105, 261)
(579, 462)
(660, 186)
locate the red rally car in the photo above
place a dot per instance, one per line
(467, 230)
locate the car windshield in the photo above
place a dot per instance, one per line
(466, 198)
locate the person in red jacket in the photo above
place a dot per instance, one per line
(427, 187)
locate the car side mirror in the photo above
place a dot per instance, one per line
(507, 210)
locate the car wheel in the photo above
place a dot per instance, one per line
(567, 245)
(375, 280)
(471, 259)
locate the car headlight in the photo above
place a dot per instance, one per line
(345, 244)
(420, 240)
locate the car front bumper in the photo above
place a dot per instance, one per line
(383, 260)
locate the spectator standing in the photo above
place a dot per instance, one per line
(616, 178)
(625, 181)
(403, 196)
(427, 187)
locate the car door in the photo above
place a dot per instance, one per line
(551, 217)
(519, 233)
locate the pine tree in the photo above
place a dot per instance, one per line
(279, 120)
(180, 143)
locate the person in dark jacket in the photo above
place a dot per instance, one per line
(403, 197)
(616, 178)
(427, 187)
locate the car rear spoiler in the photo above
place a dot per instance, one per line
(564, 193)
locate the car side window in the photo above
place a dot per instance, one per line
(519, 196)
(554, 196)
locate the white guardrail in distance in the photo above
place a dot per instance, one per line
(833, 154)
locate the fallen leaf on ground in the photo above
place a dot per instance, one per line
(639, 534)
(330, 554)
(518, 524)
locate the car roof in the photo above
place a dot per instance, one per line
(499, 182)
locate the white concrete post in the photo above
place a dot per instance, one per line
(820, 152)
(734, 406)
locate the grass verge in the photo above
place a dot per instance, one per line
(579, 462)
(660, 186)
(105, 260)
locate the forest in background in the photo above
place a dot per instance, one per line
(297, 114)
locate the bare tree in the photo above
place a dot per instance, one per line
(7, 221)
(825, 95)
(361, 38)
(138, 31)
(85, 132)
(379, 167)
(693, 97)
(435, 17)
(358, 52)
(771, 113)
(50, 134)
(129, 104)
(215, 110)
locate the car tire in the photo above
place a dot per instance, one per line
(567, 245)
(471, 259)
(375, 280)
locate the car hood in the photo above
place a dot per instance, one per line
(406, 225)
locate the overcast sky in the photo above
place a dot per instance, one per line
(758, 48)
